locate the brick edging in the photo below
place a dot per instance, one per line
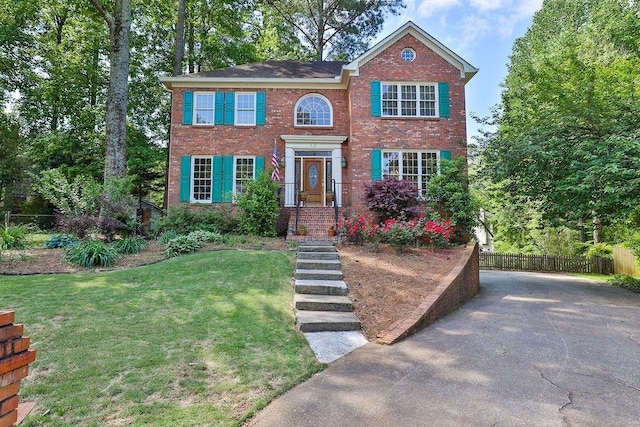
(456, 288)
(15, 358)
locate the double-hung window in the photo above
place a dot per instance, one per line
(201, 179)
(204, 108)
(244, 172)
(416, 166)
(245, 113)
(409, 99)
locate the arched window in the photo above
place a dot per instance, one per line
(314, 110)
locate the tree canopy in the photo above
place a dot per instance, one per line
(568, 133)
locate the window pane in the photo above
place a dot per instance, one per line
(429, 168)
(204, 100)
(313, 111)
(428, 101)
(391, 164)
(201, 179)
(204, 107)
(389, 100)
(244, 174)
(204, 117)
(245, 109)
(245, 117)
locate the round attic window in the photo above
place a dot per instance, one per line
(408, 54)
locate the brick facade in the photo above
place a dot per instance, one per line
(350, 98)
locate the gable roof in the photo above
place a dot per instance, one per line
(467, 71)
(330, 74)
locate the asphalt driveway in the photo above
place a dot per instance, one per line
(530, 349)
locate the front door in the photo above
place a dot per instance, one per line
(313, 181)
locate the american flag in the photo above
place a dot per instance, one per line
(275, 175)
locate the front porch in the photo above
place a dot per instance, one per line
(316, 220)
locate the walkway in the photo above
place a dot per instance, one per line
(530, 349)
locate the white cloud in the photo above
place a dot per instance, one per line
(485, 5)
(426, 8)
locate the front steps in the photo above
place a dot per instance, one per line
(320, 299)
(316, 219)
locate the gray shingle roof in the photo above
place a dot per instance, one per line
(278, 69)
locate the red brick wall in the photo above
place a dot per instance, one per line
(247, 140)
(352, 117)
(458, 287)
(369, 133)
(15, 357)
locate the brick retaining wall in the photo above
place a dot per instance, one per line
(15, 357)
(458, 287)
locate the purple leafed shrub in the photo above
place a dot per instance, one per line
(392, 198)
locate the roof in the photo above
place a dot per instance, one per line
(278, 69)
(329, 74)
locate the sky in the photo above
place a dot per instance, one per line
(480, 31)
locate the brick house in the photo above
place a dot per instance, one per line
(395, 110)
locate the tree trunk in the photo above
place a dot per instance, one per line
(597, 230)
(119, 24)
(177, 63)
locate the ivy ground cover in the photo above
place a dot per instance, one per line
(204, 339)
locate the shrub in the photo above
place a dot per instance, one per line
(183, 245)
(79, 225)
(80, 196)
(601, 250)
(259, 206)
(14, 237)
(359, 230)
(164, 237)
(60, 241)
(130, 245)
(183, 220)
(90, 253)
(627, 282)
(205, 236)
(437, 233)
(449, 194)
(401, 233)
(392, 198)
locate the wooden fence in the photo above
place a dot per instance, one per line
(577, 264)
(624, 262)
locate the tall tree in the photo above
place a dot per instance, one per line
(118, 19)
(336, 29)
(568, 134)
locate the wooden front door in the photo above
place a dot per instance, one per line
(313, 181)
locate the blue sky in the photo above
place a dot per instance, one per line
(481, 31)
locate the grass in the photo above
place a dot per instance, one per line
(593, 276)
(204, 339)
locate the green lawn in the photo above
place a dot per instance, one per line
(205, 339)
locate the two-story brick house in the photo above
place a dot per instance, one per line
(395, 110)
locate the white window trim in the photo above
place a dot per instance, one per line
(236, 109)
(408, 49)
(195, 110)
(192, 180)
(309, 95)
(399, 100)
(235, 170)
(420, 172)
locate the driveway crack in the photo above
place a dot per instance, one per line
(630, 337)
(566, 392)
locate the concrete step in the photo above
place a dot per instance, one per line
(318, 255)
(321, 321)
(315, 248)
(321, 287)
(318, 243)
(319, 274)
(322, 302)
(318, 264)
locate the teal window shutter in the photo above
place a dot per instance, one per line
(187, 108)
(261, 108)
(376, 99)
(227, 178)
(229, 107)
(185, 178)
(219, 109)
(445, 154)
(259, 166)
(443, 99)
(216, 180)
(376, 165)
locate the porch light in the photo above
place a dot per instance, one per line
(282, 161)
(343, 162)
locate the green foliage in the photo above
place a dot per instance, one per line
(450, 196)
(601, 250)
(259, 207)
(130, 245)
(183, 220)
(14, 237)
(183, 245)
(627, 282)
(60, 241)
(79, 196)
(164, 237)
(91, 253)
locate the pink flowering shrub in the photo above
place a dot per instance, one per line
(360, 229)
(437, 233)
(400, 233)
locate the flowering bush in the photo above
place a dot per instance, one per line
(437, 234)
(401, 233)
(392, 198)
(360, 229)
